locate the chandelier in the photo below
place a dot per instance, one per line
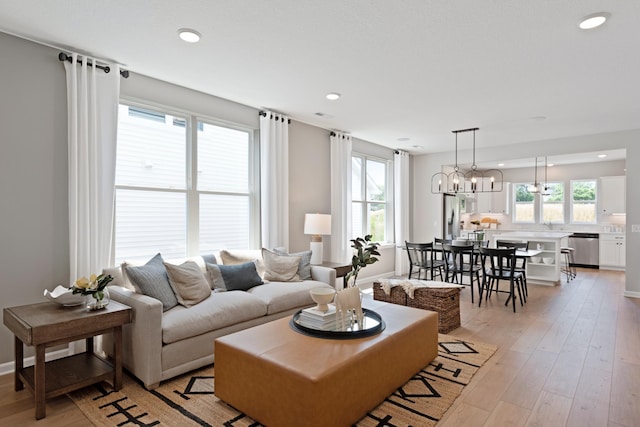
(472, 181)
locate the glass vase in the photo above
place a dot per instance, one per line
(98, 301)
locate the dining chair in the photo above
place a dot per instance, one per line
(422, 256)
(461, 262)
(499, 264)
(521, 263)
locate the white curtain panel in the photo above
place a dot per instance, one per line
(92, 104)
(401, 208)
(274, 179)
(340, 197)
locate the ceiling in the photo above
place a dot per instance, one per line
(409, 71)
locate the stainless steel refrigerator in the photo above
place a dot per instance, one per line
(450, 216)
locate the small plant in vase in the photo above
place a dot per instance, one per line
(363, 255)
(96, 287)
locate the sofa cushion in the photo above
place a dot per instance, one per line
(280, 268)
(282, 296)
(220, 310)
(152, 280)
(188, 283)
(304, 268)
(239, 277)
(233, 257)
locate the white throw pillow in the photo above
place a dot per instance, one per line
(280, 268)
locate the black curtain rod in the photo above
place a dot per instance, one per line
(64, 57)
(264, 114)
(335, 134)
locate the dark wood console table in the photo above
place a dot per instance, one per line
(48, 324)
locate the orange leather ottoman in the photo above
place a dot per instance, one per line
(280, 377)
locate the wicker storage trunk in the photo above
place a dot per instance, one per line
(397, 296)
(444, 301)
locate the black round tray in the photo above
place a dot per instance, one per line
(377, 325)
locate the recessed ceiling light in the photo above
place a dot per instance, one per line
(594, 20)
(403, 139)
(189, 35)
(333, 96)
(551, 165)
(602, 156)
(418, 147)
(500, 164)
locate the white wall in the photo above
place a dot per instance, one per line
(427, 207)
(34, 236)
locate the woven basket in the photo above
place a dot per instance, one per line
(444, 301)
(397, 296)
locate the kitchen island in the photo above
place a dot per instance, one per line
(550, 242)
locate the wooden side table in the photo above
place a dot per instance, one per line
(341, 269)
(48, 324)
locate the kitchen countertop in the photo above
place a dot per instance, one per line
(537, 234)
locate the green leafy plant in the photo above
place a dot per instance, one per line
(363, 255)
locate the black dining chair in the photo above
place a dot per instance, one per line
(499, 264)
(461, 262)
(422, 256)
(521, 263)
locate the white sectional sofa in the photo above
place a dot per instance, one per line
(159, 345)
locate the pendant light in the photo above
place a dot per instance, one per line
(545, 189)
(535, 187)
(455, 178)
(474, 181)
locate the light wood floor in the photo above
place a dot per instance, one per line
(570, 357)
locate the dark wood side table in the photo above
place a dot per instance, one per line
(48, 324)
(341, 269)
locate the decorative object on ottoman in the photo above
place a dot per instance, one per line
(363, 255)
(441, 297)
(322, 297)
(348, 300)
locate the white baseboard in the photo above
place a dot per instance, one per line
(631, 294)
(10, 367)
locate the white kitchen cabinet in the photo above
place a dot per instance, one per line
(500, 200)
(611, 194)
(493, 202)
(612, 251)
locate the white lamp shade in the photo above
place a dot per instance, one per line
(317, 224)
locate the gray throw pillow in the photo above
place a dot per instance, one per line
(304, 268)
(238, 277)
(211, 259)
(152, 280)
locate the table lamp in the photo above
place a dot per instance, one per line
(317, 225)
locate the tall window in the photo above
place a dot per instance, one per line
(370, 209)
(523, 204)
(553, 204)
(583, 201)
(181, 192)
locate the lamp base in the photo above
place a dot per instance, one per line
(316, 252)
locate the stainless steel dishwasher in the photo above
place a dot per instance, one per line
(587, 249)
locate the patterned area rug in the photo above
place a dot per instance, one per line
(189, 400)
